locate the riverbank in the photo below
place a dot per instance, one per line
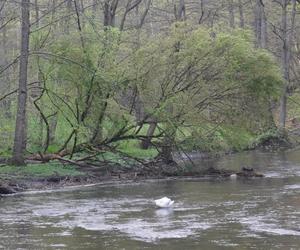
(131, 163)
(56, 176)
(60, 173)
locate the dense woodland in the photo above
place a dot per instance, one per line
(144, 78)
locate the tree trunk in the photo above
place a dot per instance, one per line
(264, 33)
(242, 18)
(231, 14)
(129, 7)
(110, 8)
(146, 143)
(202, 12)
(257, 22)
(284, 65)
(143, 17)
(52, 129)
(94, 8)
(39, 76)
(285, 57)
(20, 129)
(67, 24)
(260, 25)
(168, 145)
(7, 101)
(180, 14)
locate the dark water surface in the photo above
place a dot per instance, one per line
(207, 214)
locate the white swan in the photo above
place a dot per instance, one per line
(233, 176)
(164, 202)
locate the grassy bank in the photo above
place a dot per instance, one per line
(39, 171)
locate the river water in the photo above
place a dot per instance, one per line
(207, 214)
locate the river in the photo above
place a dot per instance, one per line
(207, 213)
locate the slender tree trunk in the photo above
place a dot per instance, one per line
(241, 12)
(143, 17)
(285, 57)
(67, 19)
(94, 8)
(20, 129)
(257, 22)
(231, 14)
(264, 33)
(284, 65)
(260, 24)
(39, 75)
(202, 12)
(180, 13)
(7, 102)
(52, 129)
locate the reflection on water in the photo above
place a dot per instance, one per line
(207, 214)
(164, 212)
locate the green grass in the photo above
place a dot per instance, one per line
(132, 148)
(40, 170)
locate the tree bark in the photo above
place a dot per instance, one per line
(264, 33)
(146, 143)
(52, 129)
(39, 75)
(129, 7)
(231, 14)
(143, 17)
(284, 65)
(260, 25)
(67, 19)
(168, 144)
(257, 22)
(21, 123)
(180, 14)
(6, 102)
(286, 57)
(110, 8)
(94, 8)
(241, 12)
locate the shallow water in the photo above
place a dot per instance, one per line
(207, 214)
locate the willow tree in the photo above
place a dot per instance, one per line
(208, 81)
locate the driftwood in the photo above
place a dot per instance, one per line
(43, 158)
(47, 157)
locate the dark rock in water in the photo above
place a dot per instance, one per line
(259, 175)
(6, 190)
(246, 169)
(248, 172)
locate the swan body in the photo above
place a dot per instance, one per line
(233, 176)
(164, 202)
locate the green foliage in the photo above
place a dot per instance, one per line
(210, 92)
(254, 68)
(223, 138)
(190, 78)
